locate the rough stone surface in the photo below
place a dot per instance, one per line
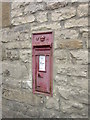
(52, 103)
(63, 14)
(33, 7)
(80, 58)
(69, 23)
(51, 26)
(41, 17)
(76, 22)
(14, 70)
(82, 10)
(23, 20)
(72, 44)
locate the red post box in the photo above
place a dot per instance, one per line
(42, 62)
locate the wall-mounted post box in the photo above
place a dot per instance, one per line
(42, 62)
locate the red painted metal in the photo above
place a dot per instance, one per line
(42, 49)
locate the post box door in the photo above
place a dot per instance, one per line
(42, 64)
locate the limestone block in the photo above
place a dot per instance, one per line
(15, 5)
(82, 10)
(61, 79)
(18, 44)
(85, 29)
(55, 5)
(76, 22)
(12, 54)
(81, 56)
(23, 20)
(15, 34)
(21, 115)
(65, 92)
(12, 82)
(33, 7)
(26, 84)
(77, 70)
(14, 70)
(71, 44)
(61, 69)
(66, 34)
(51, 26)
(49, 113)
(22, 96)
(76, 82)
(7, 35)
(85, 35)
(68, 106)
(7, 113)
(52, 103)
(63, 14)
(41, 17)
(16, 12)
(60, 56)
(33, 112)
(25, 55)
(15, 106)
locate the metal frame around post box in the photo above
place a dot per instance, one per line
(51, 61)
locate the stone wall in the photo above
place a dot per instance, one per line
(69, 22)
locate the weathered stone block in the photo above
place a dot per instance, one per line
(49, 113)
(85, 35)
(12, 54)
(20, 115)
(55, 5)
(61, 69)
(67, 107)
(61, 79)
(65, 34)
(81, 56)
(23, 20)
(25, 55)
(60, 56)
(77, 70)
(71, 44)
(18, 44)
(51, 26)
(11, 82)
(26, 84)
(76, 82)
(33, 7)
(7, 35)
(22, 96)
(82, 10)
(41, 17)
(52, 103)
(15, 5)
(16, 12)
(63, 14)
(7, 113)
(15, 70)
(85, 29)
(76, 22)
(33, 112)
